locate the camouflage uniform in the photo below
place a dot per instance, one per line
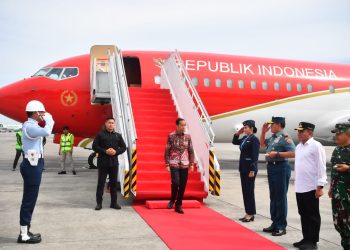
(340, 184)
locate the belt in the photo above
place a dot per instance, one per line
(275, 162)
(40, 156)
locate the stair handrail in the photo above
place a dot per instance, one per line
(119, 116)
(207, 123)
(189, 105)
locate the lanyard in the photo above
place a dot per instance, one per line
(244, 141)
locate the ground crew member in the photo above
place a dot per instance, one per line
(108, 144)
(248, 166)
(310, 178)
(339, 190)
(279, 147)
(66, 150)
(32, 165)
(19, 150)
(178, 156)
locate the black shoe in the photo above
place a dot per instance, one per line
(74, 173)
(299, 243)
(98, 207)
(179, 210)
(248, 220)
(170, 205)
(115, 206)
(62, 172)
(269, 229)
(31, 234)
(279, 232)
(31, 240)
(308, 245)
(241, 219)
(13, 169)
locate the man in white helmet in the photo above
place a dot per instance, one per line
(32, 166)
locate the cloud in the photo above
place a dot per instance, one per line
(36, 33)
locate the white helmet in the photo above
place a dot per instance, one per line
(34, 105)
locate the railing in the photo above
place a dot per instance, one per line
(122, 109)
(189, 106)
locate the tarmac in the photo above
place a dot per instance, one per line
(66, 218)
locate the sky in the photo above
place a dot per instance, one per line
(34, 33)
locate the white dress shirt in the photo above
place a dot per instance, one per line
(310, 166)
(33, 134)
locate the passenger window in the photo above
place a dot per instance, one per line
(69, 72)
(276, 86)
(195, 81)
(218, 83)
(331, 88)
(265, 85)
(241, 84)
(206, 82)
(54, 73)
(299, 87)
(289, 86)
(253, 84)
(157, 79)
(229, 83)
(309, 88)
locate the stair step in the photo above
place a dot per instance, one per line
(154, 112)
(145, 90)
(159, 194)
(163, 204)
(166, 185)
(164, 175)
(162, 140)
(147, 100)
(156, 119)
(170, 125)
(154, 105)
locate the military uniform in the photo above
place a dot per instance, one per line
(248, 162)
(340, 189)
(278, 173)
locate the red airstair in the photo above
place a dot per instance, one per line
(155, 115)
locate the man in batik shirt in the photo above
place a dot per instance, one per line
(179, 157)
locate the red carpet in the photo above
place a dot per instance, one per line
(155, 114)
(202, 228)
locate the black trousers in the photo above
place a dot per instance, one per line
(102, 175)
(18, 154)
(179, 178)
(309, 210)
(248, 185)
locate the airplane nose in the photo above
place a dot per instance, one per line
(11, 104)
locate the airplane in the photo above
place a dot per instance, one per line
(9, 127)
(232, 88)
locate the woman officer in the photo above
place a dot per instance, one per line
(248, 165)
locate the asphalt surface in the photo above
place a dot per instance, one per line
(65, 217)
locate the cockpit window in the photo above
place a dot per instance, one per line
(54, 73)
(42, 72)
(58, 73)
(69, 72)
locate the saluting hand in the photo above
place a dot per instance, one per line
(239, 132)
(265, 128)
